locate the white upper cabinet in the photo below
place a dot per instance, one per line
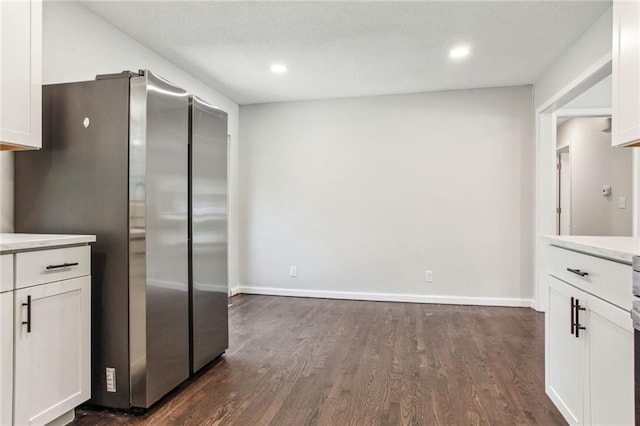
(20, 74)
(626, 73)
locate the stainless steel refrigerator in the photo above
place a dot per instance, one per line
(115, 163)
(208, 232)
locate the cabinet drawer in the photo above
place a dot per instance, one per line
(43, 266)
(6, 272)
(606, 279)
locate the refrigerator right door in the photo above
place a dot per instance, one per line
(209, 228)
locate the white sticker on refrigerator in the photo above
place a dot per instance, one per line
(111, 379)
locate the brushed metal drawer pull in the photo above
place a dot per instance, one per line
(63, 265)
(28, 321)
(578, 272)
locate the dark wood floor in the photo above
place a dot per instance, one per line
(296, 361)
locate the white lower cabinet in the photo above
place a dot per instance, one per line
(6, 358)
(52, 350)
(589, 351)
(565, 375)
(610, 349)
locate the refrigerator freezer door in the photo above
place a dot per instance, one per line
(209, 213)
(158, 247)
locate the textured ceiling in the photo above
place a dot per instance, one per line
(341, 49)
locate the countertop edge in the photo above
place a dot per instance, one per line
(592, 248)
(41, 242)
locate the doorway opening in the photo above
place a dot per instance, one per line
(564, 190)
(594, 180)
(571, 101)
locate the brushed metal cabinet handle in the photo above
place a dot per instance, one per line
(573, 324)
(578, 272)
(62, 265)
(28, 321)
(579, 327)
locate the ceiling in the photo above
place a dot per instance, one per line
(343, 49)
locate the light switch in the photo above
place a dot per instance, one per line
(622, 202)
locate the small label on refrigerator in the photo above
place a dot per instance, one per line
(111, 379)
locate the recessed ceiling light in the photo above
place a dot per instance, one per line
(278, 68)
(459, 52)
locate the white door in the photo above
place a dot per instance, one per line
(610, 341)
(564, 351)
(6, 357)
(52, 349)
(564, 195)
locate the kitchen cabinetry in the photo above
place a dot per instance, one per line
(45, 327)
(626, 73)
(6, 357)
(21, 74)
(565, 378)
(6, 339)
(610, 349)
(52, 349)
(589, 339)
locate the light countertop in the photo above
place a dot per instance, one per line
(17, 242)
(622, 249)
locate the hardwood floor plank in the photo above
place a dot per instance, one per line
(296, 361)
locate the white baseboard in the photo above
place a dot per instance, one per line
(536, 306)
(389, 297)
(234, 290)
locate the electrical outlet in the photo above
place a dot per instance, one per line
(429, 276)
(293, 271)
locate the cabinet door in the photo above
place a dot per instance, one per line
(610, 349)
(21, 73)
(52, 360)
(626, 73)
(564, 352)
(6, 357)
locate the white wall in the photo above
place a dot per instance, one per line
(599, 96)
(594, 44)
(365, 194)
(77, 45)
(6, 191)
(584, 63)
(595, 163)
